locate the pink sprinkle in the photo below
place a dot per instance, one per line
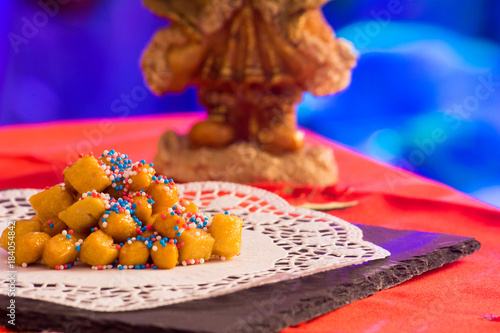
(70, 231)
(171, 241)
(149, 227)
(163, 216)
(139, 203)
(118, 247)
(80, 155)
(57, 267)
(99, 267)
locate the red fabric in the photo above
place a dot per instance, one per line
(459, 297)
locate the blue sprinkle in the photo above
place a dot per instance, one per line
(137, 267)
(175, 241)
(178, 234)
(143, 266)
(172, 213)
(103, 220)
(51, 225)
(68, 236)
(151, 164)
(77, 248)
(120, 267)
(226, 212)
(176, 228)
(155, 267)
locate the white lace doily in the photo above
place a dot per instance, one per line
(280, 242)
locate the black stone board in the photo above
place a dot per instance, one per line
(267, 308)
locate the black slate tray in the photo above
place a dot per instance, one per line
(266, 308)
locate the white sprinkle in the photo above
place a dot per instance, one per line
(24, 265)
(192, 261)
(155, 248)
(112, 177)
(104, 224)
(151, 170)
(129, 242)
(184, 263)
(84, 195)
(145, 170)
(202, 261)
(158, 238)
(113, 185)
(105, 216)
(64, 232)
(130, 181)
(197, 233)
(222, 258)
(130, 266)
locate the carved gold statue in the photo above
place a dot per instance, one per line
(252, 60)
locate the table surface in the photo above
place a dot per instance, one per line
(458, 297)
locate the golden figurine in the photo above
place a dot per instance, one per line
(251, 61)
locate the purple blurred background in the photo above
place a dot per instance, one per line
(425, 94)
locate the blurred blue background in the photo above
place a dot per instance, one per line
(425, 94)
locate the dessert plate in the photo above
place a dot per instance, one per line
(280, 242)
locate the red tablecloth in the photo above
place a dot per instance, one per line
(459, 297)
